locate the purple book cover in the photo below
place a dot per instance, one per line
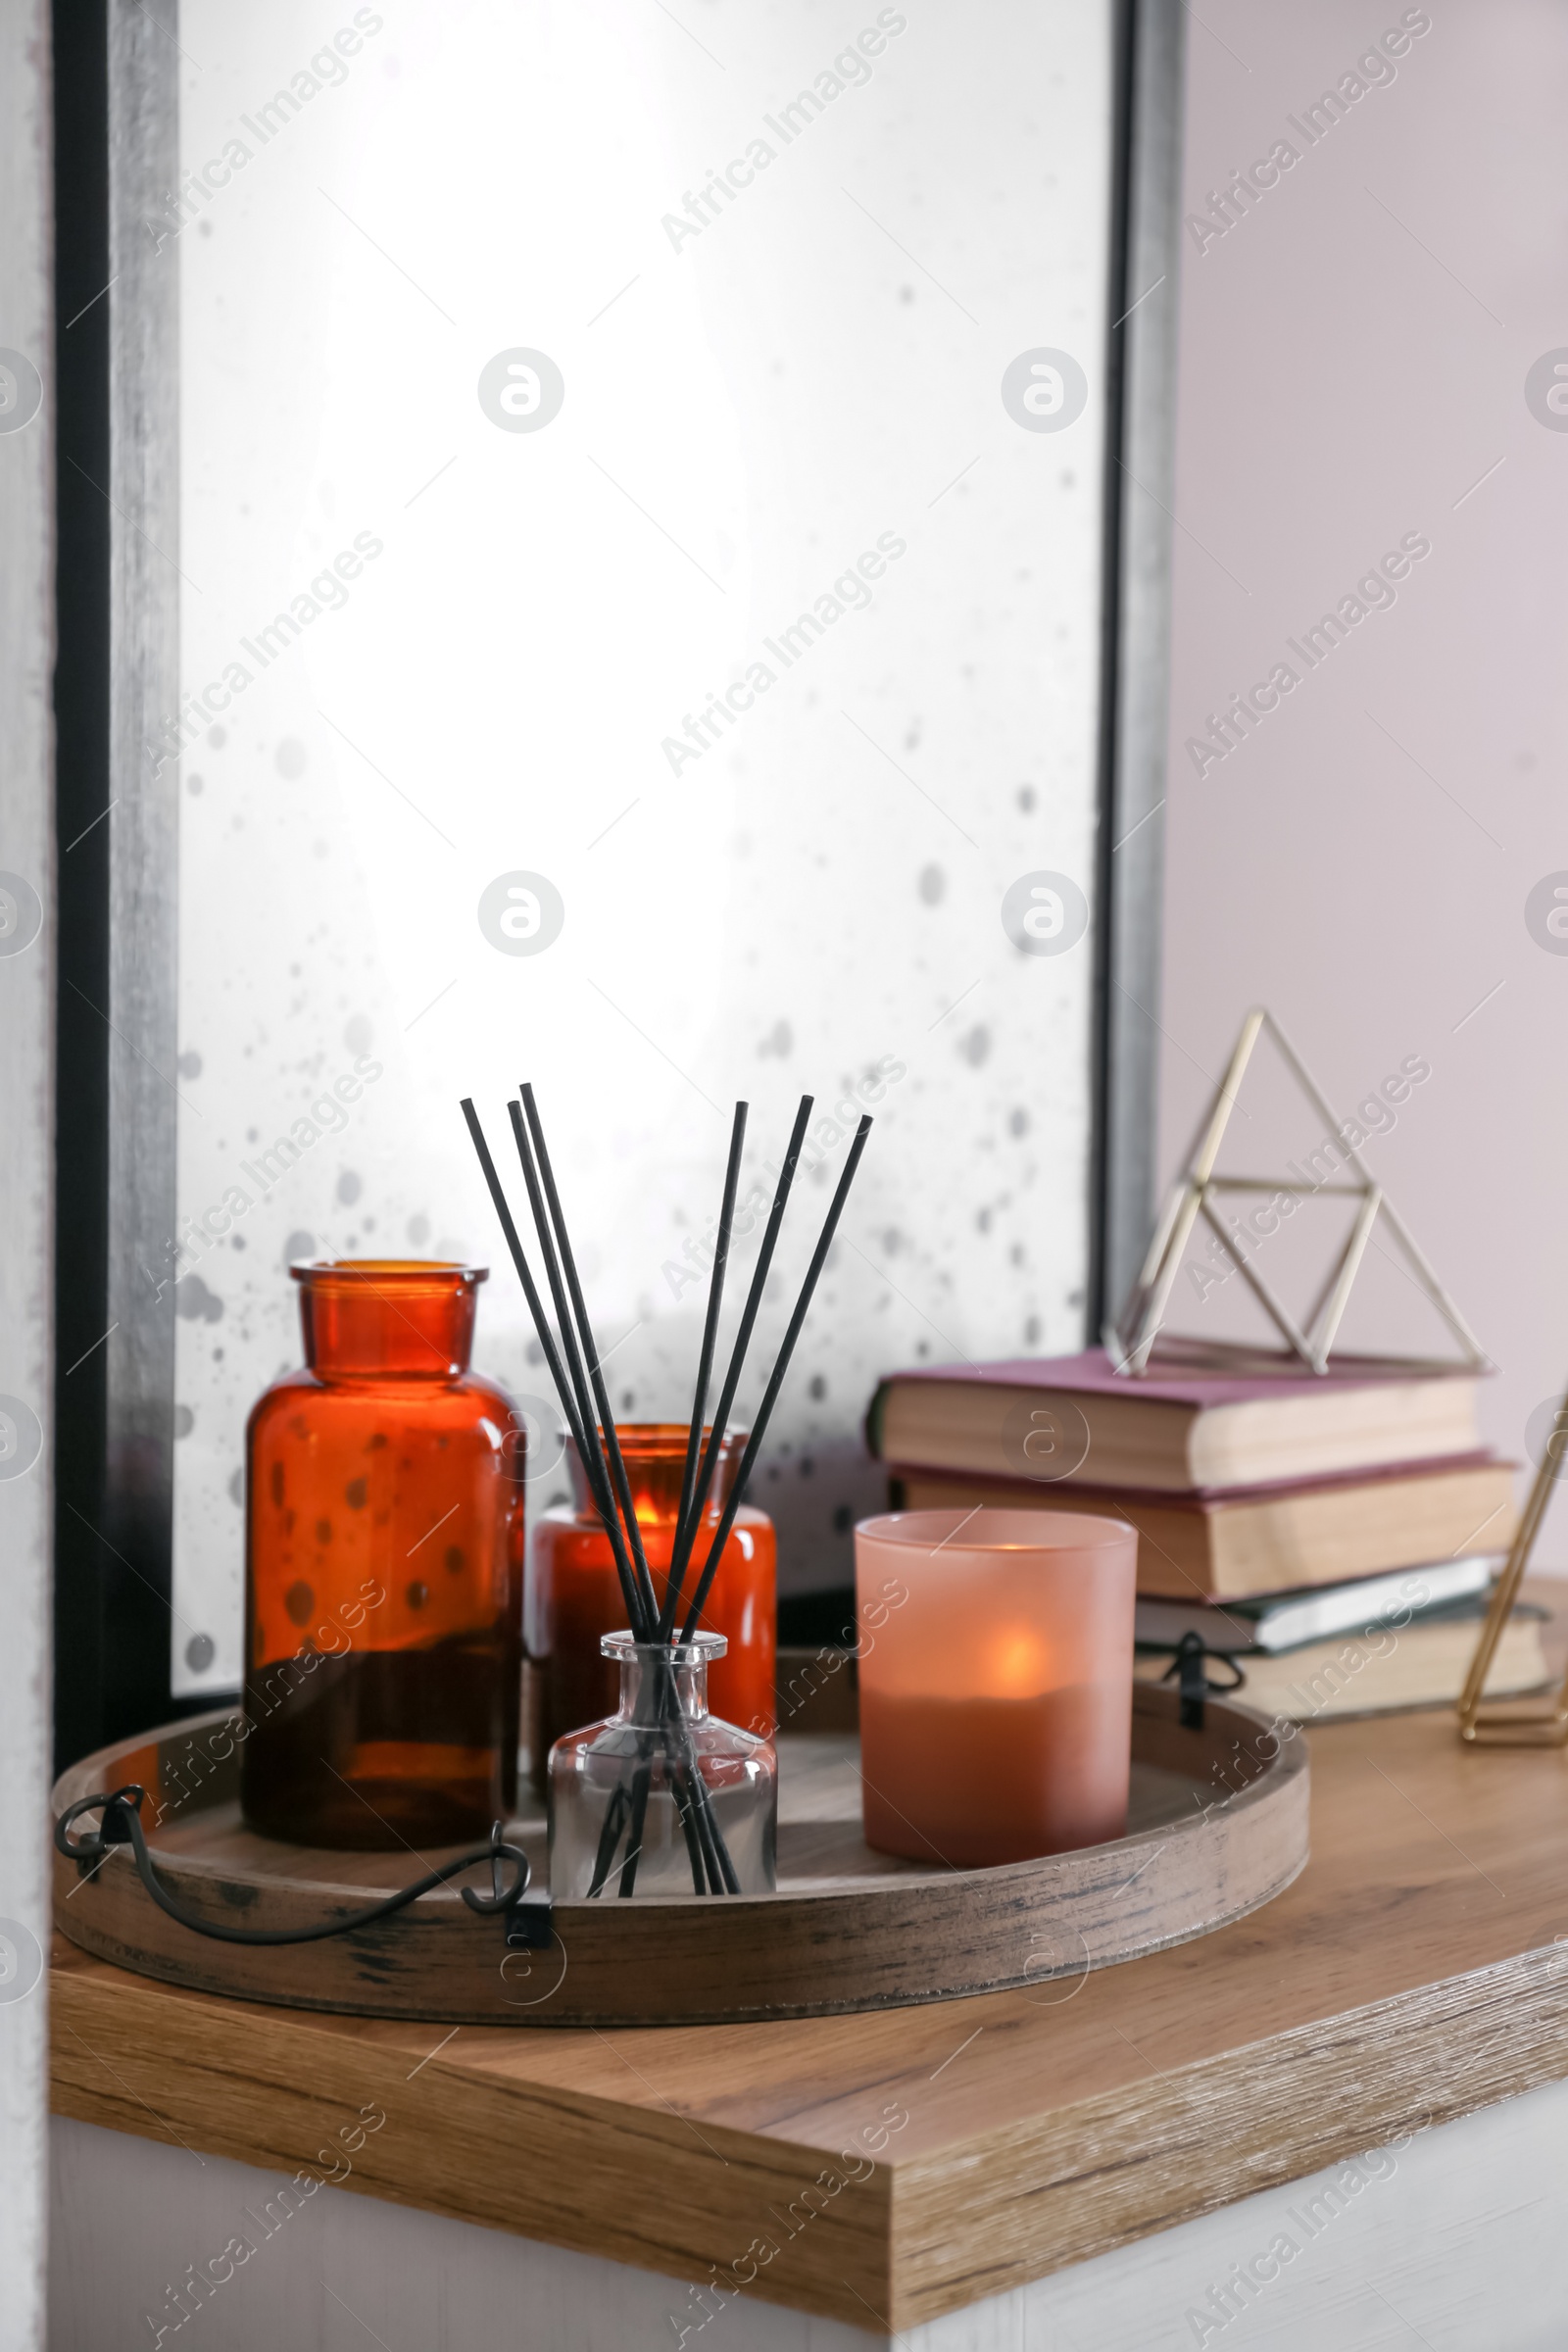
(1173, 1382)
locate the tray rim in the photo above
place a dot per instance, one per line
(864, 1910)
(78, 1779)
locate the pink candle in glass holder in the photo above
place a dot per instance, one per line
(996, 1678)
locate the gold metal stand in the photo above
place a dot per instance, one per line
(1518, 1723)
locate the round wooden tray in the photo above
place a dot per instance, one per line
(1217, 1825)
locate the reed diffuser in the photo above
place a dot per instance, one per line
(664, 1769)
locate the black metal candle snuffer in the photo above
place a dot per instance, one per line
(659, 1771)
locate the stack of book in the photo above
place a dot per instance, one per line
(1336, 1534)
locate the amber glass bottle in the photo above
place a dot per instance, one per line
(575, 1599)
(383, 1571)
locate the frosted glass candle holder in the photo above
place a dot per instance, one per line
(996, 1671)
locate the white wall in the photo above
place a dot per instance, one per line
(27, 1024)
(1353, 364)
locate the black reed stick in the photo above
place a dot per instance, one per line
(694, 1804)
(720, 1869)
(686, 1536)
(642, 1783)
(666, 1700)
(541, 1324)
(776, 1379)
(586, 1438)
(704, 1360)
(707, 1850)
(609, 1838)
(513, 1244)
(644, 1582)
(705, 1872)
(686, 1808)
(585, 1434)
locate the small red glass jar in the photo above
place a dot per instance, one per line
(383, 1570)
(573, 1596)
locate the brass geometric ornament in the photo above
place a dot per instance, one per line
(1195, 1191)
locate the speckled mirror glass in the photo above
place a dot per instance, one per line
(642, 501)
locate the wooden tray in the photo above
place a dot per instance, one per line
(1217, 1825)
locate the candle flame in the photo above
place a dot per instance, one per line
(1019, 1664)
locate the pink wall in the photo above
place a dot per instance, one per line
(1353, 361)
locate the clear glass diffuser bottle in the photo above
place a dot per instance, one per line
(572, 1598)
(662, 1797)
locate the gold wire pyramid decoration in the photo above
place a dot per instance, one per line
(1196, 1191)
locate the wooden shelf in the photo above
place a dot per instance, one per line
(1409, 1976)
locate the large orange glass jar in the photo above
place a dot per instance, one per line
(574, 1597)
(383, 1570)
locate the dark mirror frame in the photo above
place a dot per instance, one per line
(116, 680)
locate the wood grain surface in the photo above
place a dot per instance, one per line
(1409, 1976)
(1217, 1825)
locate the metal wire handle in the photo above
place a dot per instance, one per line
(120, 1825)
(1189, 1670)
